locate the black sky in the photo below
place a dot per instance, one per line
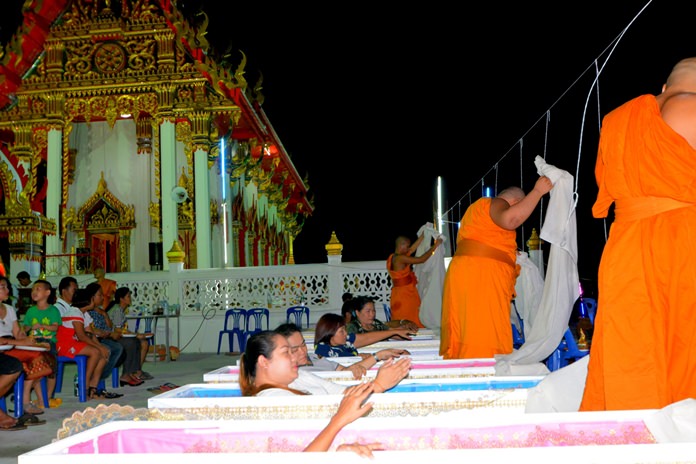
(374, 102)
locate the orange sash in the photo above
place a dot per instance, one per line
(633, 209)
(468, 247)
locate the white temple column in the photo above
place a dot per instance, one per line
(202, 195)
(168, 182)
(54, 174)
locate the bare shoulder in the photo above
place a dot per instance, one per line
(679, 112)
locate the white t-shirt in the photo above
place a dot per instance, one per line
(70, 314)
(309, 383)
(8, 321)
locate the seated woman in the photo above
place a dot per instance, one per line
(34, 363)
(87, 299)
(331, 340)
(117, 313)
(364, 321)
(267, 367)
(263, 347)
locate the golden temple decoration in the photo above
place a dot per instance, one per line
(534, 242)
(239, 73)
(334, 247)
(214, 213)
(104, 211)
(202, 31)
(154, 212)
(176, 254)
(258, 96)
(143, 133)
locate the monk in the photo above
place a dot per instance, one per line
(108, 286)
(405, 301)
(480, 280)
(642, 354)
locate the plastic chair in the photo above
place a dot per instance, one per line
(18, 393)
(387, 312)
(115, 380)
(517, 334)
(256, 315)
(566, 353)
(238, 317)
(296, 312)
(81, 361)
(591, 304)
(150, 327)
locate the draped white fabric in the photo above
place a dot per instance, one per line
(529, 288)
(431, 278)
(561, 287)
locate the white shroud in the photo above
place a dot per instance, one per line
(562, 279)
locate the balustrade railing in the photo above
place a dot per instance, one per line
(318, 285)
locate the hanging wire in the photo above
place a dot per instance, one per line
(522, 187)
(612, 45)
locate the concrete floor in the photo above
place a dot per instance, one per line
(189, 368)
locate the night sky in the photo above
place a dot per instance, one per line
(373, 103)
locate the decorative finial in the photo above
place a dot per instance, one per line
(334, 247)
(534, 242)
(176, 254)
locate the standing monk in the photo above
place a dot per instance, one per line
(644, 347)
(480, 280)
(405, 301)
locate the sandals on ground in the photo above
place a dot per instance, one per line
(31, 408)
(13, 427)
(30, 419)
(94, 392)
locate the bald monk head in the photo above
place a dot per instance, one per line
(512, 195)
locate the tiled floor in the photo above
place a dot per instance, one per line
(189, 368)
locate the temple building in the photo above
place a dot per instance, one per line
(123, 135)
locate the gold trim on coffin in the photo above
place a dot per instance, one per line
(91, 417)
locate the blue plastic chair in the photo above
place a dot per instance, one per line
(256, 316)
(235, 325)
(18, 393)
(517, 335)
(566, 353)
(591, 304)
(81, 361)
(387, 312)
(296, 313)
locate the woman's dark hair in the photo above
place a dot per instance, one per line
(327, 326)
(47, 284)
(349, 307)
(83, 296)
(120, 293)
(261, 343)
(361, 301)
(9, 286)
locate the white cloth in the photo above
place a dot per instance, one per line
(561, 287)
(529, 288)
(431, 278)
(8, 321)
(560, 391)
(674, 423)
(315, 385)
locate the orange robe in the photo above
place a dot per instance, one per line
(643, 351)
(108, 287)
(405, 300)
(479, 286)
